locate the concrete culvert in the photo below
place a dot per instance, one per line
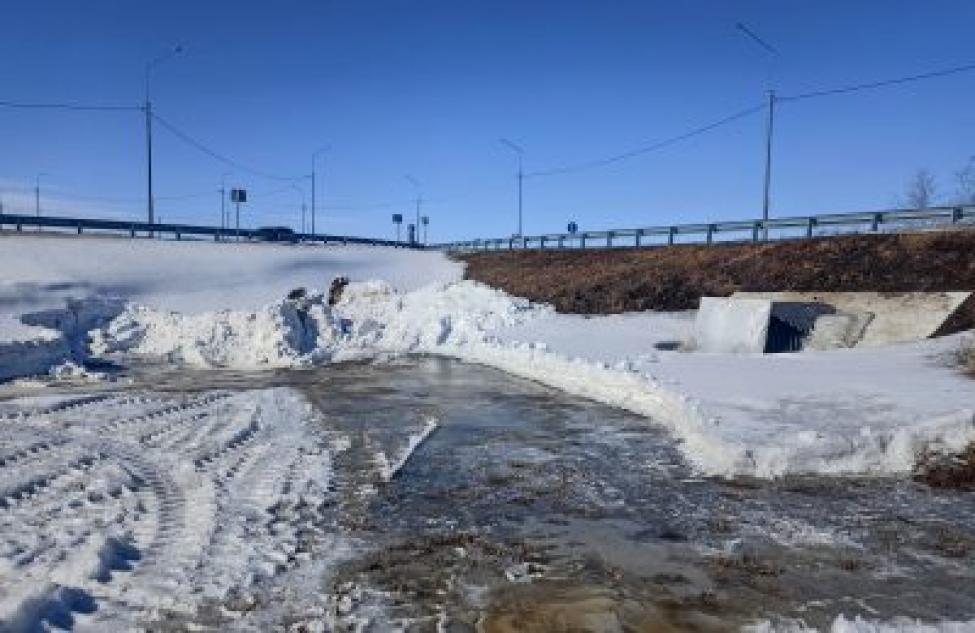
(771, 322)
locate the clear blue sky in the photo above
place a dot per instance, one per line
(427, 88)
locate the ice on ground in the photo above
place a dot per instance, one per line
(859, 624)
(846, 411)
(387, 469)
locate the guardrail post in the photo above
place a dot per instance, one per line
(541, 243)
(710, 233)
(582, 240)
(877, 219)
(561, 242)
(511, 243)
(956, 215)
(756, 228)
(639, 233)
(19, 227)
(524, 243)
(810, 225)
(671, 232)
(79, 229)
(179, 236)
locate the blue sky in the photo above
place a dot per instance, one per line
(427, 88)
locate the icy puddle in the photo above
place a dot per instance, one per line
(427, 494)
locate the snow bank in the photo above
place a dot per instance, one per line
(463, 320)
(55, 287)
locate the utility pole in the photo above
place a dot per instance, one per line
(768, 162)
(150, 202)
(770, 52)
(301, 193)
(313, 156)
(521, 178)
(37, 196)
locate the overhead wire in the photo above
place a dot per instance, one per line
(647, 148)
(186, 138)
(878, 84)
(66, 106)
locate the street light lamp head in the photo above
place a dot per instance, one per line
(511, 145)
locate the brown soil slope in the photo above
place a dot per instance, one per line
(606, 281)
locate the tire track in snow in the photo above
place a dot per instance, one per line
(135, 506)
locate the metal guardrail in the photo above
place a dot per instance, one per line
(177, 231)
(804, 225)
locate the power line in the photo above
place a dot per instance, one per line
(879, 84)
(186, 138)
(67, 195)
(187, 196)
(65, 106)
(648, 148)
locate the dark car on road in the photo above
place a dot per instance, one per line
(277, 234)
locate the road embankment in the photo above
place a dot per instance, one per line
(609, 281)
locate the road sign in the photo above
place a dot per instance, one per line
(238, 195)
(573, 228)
(397, 218)
(425, 220)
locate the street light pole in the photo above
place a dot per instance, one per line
(313, 179)
(37, 195)
(223, 200)
(150, 202)
(521, 178)
(419, 201)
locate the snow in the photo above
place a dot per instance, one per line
(96, 480)
(195, 276)
(208, 494)
(841, 411)
(54, 288)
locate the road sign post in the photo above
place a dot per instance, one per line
(238, 196)
(398, 221)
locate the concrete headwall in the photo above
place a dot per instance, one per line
(732, 325)
(871, 318)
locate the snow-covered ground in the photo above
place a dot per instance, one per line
(203, 468)
(194, 276)
(206, 493)
(220, 305)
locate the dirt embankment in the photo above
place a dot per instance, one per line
(606, 281)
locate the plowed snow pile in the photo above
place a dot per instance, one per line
(842, 431)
